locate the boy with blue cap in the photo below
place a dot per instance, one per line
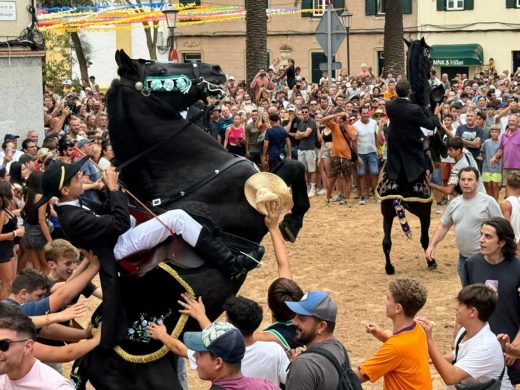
(219, 349)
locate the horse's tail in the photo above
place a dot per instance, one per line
(399, 211)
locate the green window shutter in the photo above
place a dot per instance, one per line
(339, 5)
(510, 3)
(407, 6)
(468, 4)
(441, 5)
(370, 7)
(306, 4)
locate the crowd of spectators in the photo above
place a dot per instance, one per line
(338, 129)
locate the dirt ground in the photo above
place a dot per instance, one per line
(339, 250)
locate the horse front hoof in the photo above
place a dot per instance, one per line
(432, 264)
(289, 229)
(390, 270)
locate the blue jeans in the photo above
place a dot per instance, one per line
(461, 270)
(369, 166)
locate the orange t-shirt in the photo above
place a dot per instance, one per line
(340, 147)
(388, 95)
(402, 360)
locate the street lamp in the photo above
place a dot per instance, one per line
(346, 19)
(170, 13)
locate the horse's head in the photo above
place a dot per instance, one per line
(418, 69)
(177, 86)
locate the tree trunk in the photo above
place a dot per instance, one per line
(83, 69)
(393, 39)
(151, 41)
(256, 37)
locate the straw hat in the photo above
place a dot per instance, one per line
(264, 187)
(43, 153)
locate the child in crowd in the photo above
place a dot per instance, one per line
(491, 173)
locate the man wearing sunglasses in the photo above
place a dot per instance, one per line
(19, 369)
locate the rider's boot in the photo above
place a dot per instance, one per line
(215, 251)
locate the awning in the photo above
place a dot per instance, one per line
(457, 55)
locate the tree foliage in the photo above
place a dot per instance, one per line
(78, 44)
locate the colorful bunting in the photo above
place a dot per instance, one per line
(118, 17)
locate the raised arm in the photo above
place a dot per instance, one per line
(280, 253)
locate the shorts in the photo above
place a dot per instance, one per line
(6, 251)
(308, 159)
(370, 161)
(446, 170)
(326, 153)
(495, 177)
(506, 172)
(34, 238)
(340, 166)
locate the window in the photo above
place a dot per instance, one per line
(456, 5)
(512, 4)
(377, 7)
(381, 7)
(319, 7)
(452, 5)
(517, 3)
(193, 58)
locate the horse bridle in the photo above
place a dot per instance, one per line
(178, 83)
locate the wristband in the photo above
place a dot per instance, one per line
(14, 234)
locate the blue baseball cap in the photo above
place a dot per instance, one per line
(315, 303)
(220, 338)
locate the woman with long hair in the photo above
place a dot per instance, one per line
(37, 229)
(236, 141)
(107, 154)
(9, 230)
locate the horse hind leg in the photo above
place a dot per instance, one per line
(388, 218)
(425, 219)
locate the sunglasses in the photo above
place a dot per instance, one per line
(5, 344)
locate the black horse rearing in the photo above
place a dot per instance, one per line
(182, 168)
(400, 195)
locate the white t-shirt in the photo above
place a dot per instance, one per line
(366, 139)
(41, 377)
(481, 357)
(468, 215)
(265, 360)
(515, 215)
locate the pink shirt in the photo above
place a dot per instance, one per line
(234, 134)
(41, 377)
(510, 145)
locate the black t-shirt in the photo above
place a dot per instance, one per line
(87, 292)
(286, 333)
(292, 130)
(506, 275)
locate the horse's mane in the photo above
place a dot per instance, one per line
(418, 69)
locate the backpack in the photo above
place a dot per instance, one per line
(348, 379)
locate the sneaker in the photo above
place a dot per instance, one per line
(341, 202)
(337, 198)
(322, 192)
(361, 200)
(311, 193)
